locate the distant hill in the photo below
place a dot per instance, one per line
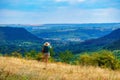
(113, 36)
(113, 46)
(12, 34)
(72, 32)
(110, 39)
(14, 39)
(18, 39)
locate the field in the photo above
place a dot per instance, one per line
(20, 69)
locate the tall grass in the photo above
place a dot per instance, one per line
(21, 69)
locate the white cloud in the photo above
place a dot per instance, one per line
(20, 17)
(62, 15)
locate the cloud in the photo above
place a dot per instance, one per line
(20, 17)
(59, 11)
(88, 15)
(62, 15)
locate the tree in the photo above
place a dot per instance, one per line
(31, 55)
(66, 56)
(102, 58)
(85, 59)
(39, 56)
(1, 54)
(117, 53)
(52, 53)
(107, 59)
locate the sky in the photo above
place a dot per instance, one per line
(59, 11)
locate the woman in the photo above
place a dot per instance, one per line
(46, 52)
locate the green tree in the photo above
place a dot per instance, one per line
(103, 58)
(39, 56)
(30, 55)
(1, 54)
(117, 53)
(66, 56)
(52, 53)
(86, 59)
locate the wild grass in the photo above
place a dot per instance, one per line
(21, 69)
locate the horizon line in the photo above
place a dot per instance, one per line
(56, 23)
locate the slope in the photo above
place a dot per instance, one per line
(18, 39)
(113, 36)
(96, 44)
(20, 69)
(113, 46)
(12, 34)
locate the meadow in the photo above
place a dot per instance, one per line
(21, 69)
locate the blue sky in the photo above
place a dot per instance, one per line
(59, 11)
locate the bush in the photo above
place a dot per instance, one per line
(103, 58)
(51, 59)
(31, 55)
(39, 56)
(16, 54)
(86, 59)
(1, 54)
(52, 53)
(117, 53)
(66, 56)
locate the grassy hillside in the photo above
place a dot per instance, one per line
(21, 69)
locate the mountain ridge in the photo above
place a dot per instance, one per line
(18, 39)
(102, 42)
(12, 33)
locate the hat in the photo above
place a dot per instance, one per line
(46, 44)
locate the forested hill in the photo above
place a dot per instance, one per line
(110, 41)
(113, 36)
(102, 42)
(115, 39)
(12, 34)
(14, 39)
(114, 46)
(18, 39)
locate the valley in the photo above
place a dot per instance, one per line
(74, 37)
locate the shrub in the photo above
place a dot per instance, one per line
(1, 54)
(86, 59)
(103, 58)
(30, 55)
(117, 53)
(52, 53)
(66, 56)
(39, 56)
(51, 59)
(16, 54)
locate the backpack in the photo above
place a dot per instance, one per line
(45, 49)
